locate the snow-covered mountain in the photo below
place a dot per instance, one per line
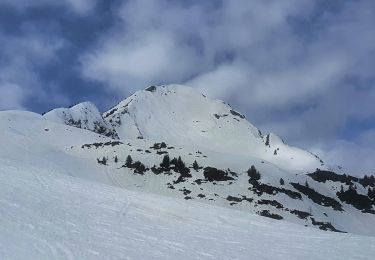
(174, 142)
(84, 115)
(181, 116)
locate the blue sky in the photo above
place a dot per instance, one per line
(300, 68)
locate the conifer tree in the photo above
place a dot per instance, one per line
(253, 173)
(166, 162)
(129, 161)
(195, 165)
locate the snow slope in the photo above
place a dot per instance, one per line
(58, 200)
(84, 115)
(47, 215)
(35, 142)
(181, 116)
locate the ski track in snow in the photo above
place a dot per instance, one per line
(77, 219)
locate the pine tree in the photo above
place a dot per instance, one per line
(282, 181)
(129, 161)
(195, 165)
(371, 193)
(307, 184)
(104, 160)
(180, 164)
(116, 159)
(174, 161)
(253, 173)
(166, 162)
(267, 140)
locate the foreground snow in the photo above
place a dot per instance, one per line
(47, 215)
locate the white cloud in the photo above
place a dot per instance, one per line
(21, 55)
(356, 159)
(154, 58)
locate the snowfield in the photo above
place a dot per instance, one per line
(46, 215)
(67, 190)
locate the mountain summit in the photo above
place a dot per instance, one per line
(182, 116)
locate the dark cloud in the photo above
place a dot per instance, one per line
(300, 68)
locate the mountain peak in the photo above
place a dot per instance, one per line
(84, 115)
(180, 115)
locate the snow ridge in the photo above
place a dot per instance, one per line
(84, 115)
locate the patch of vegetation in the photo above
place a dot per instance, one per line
(158, 146)
(138, 167)
(185, 191)
(151, 89)
(317, 197)
(267, 143)
(219, 116)
(254, 174)
(111, 112)
(355, 199)
(324, 225)
(266, 213)
(260, 188)
(97, 145)
(235, 113)
(235, 199)
(196, 166)
(212, 174)
(323, 176)
(273, 203)
(103, 161)
(300, 214)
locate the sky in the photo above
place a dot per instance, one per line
(303, 69)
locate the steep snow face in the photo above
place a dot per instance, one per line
(181, 116)
(84, 115)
